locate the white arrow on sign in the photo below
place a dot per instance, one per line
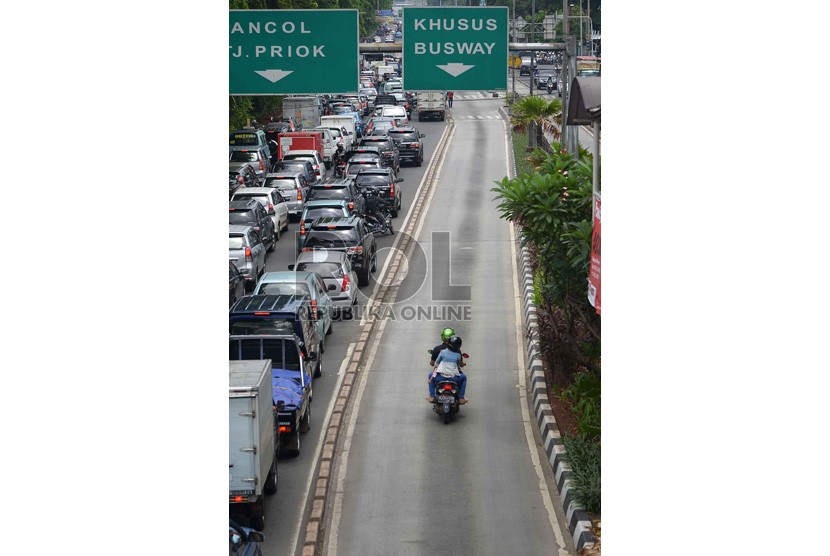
(274, 75)
(455, 69)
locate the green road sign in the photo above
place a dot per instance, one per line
(455, 49)
(277, 52)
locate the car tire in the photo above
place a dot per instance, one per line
(305, 421)
(273, 244)
(331, 328)
(374, 263)
(295, 451)
(276, 234)
(418, 161)
(270, 486)
(363, 278)
(318, 372)
(258, 522)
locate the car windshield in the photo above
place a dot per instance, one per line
(283, 288)
(282, 183)
(382, 126)
(241, 217)
(331, 239)
(244, 156)
(247, 139)
(356, 167)
(260, 325)
(236, 242)
(299, 157)
(326, 270)
(328, 193)
(407, 136)
(262, 198)
(372, 179)
(323, 212)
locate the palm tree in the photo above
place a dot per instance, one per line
(539, 114)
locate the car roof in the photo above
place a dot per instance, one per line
(322, 256)
(239, 228)
(401, 129)
(284, 174)
(326, 203)
(259, 190)
(276, 303)
(285, 276)
(379, 171)
(329, 183)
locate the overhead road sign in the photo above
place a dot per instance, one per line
(278, 52)
(455, 48)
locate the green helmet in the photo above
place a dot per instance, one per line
(447, 333)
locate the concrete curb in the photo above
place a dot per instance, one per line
(579, 524)
(324, 483)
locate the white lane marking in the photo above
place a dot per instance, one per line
(520, 357)
(343, 457)
(405, 222)
(317, 449)
(330, 547)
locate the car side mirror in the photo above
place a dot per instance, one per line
(421, 135)
(256, 536)
(312, 356)
(291, 267)
(399, 180)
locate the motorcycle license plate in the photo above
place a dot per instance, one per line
(445, 399)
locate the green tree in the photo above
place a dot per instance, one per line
(535, 115)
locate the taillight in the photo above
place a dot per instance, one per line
(270, 206)
(260, 165)
(351, 206)
(353, 250)
(391, 189)
(447, 387)
(299, 194)
(261, 313)
(302, 227)
(306, 250)
(345, 283)
(247, 253)
(416, 145)
(314, 308)
(284, 428)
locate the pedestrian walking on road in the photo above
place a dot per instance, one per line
(449, 98)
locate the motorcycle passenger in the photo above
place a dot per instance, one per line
(337, 156)
(448, 365)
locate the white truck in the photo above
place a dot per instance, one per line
(341, 121)
(431, 105)
(305, 110)
(253, 448)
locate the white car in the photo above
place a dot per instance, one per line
(270, 198)
(396, 112)
(313, 157)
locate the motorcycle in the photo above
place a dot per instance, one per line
(550, 87)
(381, 223)
(446, 396)
(340, 169)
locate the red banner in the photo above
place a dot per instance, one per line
(594, 274)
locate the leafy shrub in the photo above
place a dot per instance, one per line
(584, 457)
(584, 397)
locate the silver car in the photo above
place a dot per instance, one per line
(273, 202)
(293, 189)
(255, 156)
(335, 269)
(313, 157)
(247, 252)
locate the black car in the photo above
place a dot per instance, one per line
(385, 183)
(350, 235)
(408, 141)
(338, 189)
(243, 176)
(388, 150)
(252, 213)
(236, 284)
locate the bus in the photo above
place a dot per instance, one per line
(588, 66)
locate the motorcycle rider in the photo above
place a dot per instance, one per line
(374, 206)
(448, 365)
(446, 334)
(337, 156)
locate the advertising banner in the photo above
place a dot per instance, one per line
(594, 273)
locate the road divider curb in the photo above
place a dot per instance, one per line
(314, 529)
(579, 523)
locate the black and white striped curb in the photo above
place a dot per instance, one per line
(579, 524)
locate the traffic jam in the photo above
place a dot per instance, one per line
(315, 192)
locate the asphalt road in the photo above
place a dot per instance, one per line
(284, 510)
(407, 483)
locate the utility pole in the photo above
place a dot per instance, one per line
(533, 39)
(564, 93)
